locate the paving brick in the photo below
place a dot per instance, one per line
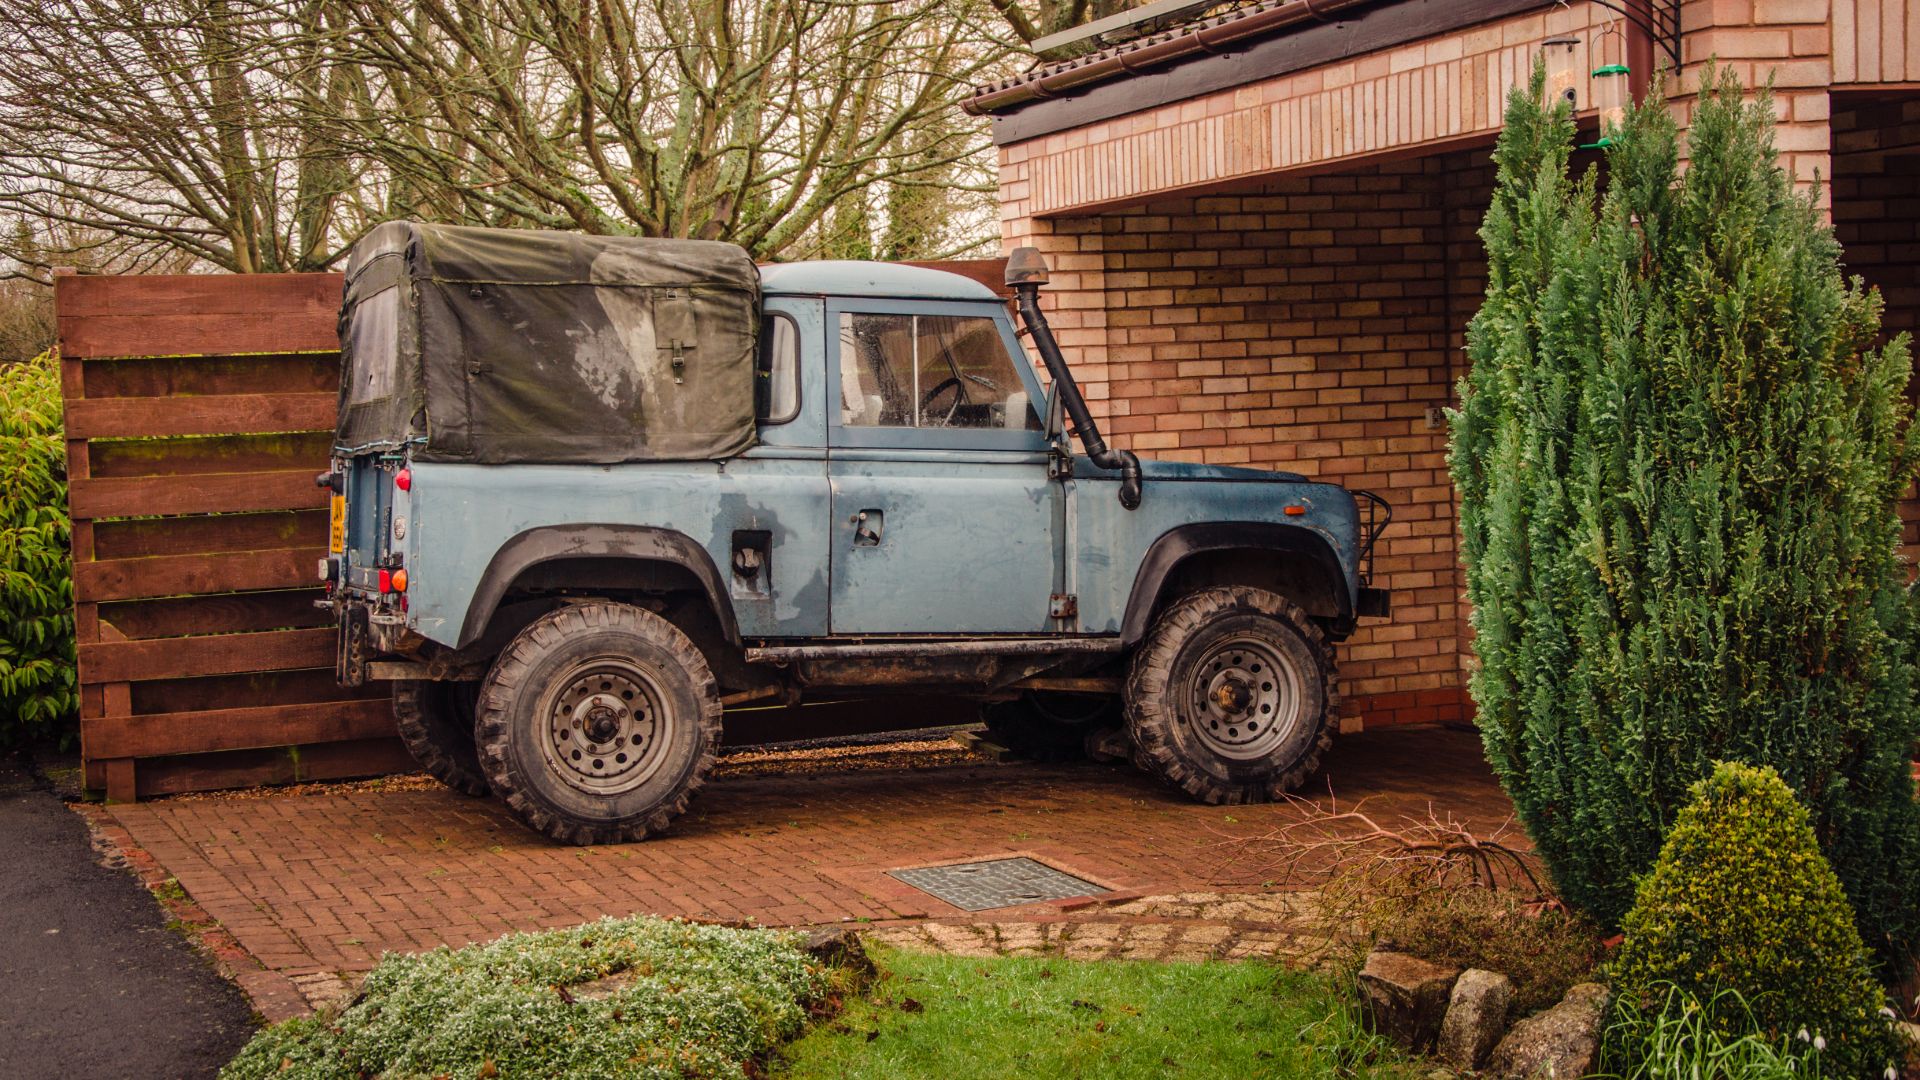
(410, 870)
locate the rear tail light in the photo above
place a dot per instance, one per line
(403, 479)
(386, 581)
(398, 579)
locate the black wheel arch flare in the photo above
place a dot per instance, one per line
(1178, 545)
(642, 543)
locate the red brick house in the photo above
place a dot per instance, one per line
(1263, 230)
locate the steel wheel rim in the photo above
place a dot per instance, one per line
(1245, 699)
(604, 728)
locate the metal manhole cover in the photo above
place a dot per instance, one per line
(976, 886)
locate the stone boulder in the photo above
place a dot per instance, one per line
(1476, 1018)
(1562, 1043)
(1405, 997)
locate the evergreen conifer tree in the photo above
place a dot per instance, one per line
(1678, 456)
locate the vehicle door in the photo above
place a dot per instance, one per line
(945, 519)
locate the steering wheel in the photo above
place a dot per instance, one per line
(959, 389)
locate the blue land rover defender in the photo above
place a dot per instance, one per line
(590, 491)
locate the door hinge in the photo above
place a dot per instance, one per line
(1063, 606)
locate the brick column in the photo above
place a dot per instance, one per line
(1076, 297)
(1789, 41)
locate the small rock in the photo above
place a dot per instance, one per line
(1476, 1018)
(1405, 997)
(1559, 1044)
(840, 947)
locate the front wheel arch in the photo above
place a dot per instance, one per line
(1287, 560)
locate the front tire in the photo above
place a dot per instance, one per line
(1231, 697)
(435, 720)
(598, 723)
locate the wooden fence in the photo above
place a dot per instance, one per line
(198, 409)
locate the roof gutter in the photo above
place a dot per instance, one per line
(1207, 39)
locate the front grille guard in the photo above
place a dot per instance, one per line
(1376, 514)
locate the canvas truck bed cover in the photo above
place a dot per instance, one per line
(508, 345)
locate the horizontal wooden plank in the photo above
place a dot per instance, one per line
(303, 687)
(216, 493)
(195, 575)
(213, 376)
(142, 537)
(93, 337)
(98, 418)
(247, 728)
(218, 654)
(210, 454)
(254, 768)
(245, 612)
(122, 295)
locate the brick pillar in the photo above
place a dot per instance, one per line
(1076, 297)
(1789, 41)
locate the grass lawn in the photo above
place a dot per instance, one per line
(956, 1017)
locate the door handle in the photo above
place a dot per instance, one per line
(867, 526)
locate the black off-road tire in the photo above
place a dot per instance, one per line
(1050, 726)
(575, 670)
(435, 719)
(1222, 641)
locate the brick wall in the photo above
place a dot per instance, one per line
(1876, 215)
(1304, 324)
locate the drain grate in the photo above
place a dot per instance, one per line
(995, 883)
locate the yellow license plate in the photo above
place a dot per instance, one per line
(337, 525)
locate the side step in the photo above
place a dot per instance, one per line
(876, 650)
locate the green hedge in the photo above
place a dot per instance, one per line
(38, 695)
(1680, 452)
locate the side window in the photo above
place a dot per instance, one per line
(929, 371)
(777, 382)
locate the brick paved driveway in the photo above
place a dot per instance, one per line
(325, 883)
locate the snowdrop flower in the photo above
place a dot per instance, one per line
(1803, 1036)
(1888, 1013)
(1819, 1043)
(1891, 1073)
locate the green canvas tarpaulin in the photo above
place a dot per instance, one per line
(510, 345)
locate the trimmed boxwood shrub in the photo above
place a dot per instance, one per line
(37, 683)
(1680, 453)
(1741, 901)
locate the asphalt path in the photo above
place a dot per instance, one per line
(92, 983)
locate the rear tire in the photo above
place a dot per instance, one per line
(1231, 697)
(598, 723)
(436, 722)
(1050, 726)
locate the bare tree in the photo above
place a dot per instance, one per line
(749, 122)
(157, 128)
(267, 135)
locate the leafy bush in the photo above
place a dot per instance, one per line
(1543, 952)
(1690, 1038)
(690, 1001)
(1679, 455)
(1741, 900)
(37, 683)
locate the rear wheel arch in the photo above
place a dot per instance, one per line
(1287, 560)
(609, 558)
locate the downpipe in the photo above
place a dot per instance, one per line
(1026, 272)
